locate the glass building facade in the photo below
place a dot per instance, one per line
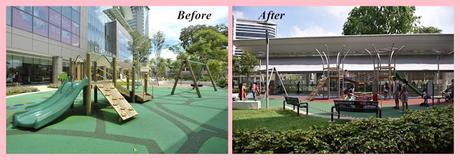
(97, 39)
(61, 24)
(124, 53)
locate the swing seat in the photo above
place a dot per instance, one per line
(199, 85)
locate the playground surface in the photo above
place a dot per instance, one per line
(180, 123)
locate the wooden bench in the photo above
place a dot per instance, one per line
(355, 106)
(295, 102)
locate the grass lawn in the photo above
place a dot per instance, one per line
(275, 120)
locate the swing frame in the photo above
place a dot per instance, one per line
(187, 63)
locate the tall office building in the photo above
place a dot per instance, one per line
(40, 40)
(140, 19)
(251, 29)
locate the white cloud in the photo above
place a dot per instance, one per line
(440, 17)
(239, 15)
(166, 54)
(310, 31)
(339, 12)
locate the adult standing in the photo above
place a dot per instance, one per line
(396, 92)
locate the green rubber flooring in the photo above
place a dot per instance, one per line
(180, 123)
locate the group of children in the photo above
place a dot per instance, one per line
(255, 90)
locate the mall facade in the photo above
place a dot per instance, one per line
(40, 41)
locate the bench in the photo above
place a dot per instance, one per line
(295, 102)
(355, 106)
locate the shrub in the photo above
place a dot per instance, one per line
(19, 89)
(54, 85)
(222, 83)
(428, 131)
(62, 77)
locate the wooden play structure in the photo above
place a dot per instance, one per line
(140, 97)
(195, 85)
(99, 82)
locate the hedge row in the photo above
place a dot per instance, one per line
(19, 89)
(428, 131)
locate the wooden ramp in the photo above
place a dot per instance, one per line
(118, 102)
(320, 85)
(139, 97)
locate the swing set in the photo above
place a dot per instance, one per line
(187, 63)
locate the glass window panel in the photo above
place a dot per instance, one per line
(22, 20)
(76, 8)
(75, 41)
(76, 16)
(67, 11)
(27, 9)
(57, 9)
(66, 37)
(40, 27)
(41, 12)
(44, 62)
(75, 28)
(55, 18)
(27, 60)
(55, 32)
(66, 24)
(8, 16)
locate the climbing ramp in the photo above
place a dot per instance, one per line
(320, 85)
(118, 102)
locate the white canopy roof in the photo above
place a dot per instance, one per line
(415, 44)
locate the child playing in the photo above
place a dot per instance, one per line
(242, 92)
(404, 98)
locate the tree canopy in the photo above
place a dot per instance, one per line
(187, 33)
(384, 20)
(158, 41)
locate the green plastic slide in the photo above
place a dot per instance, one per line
(399, 77)
(41, 114)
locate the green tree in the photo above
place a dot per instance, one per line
(187, 34)
(429, 29)
(245, 64)
(208, 44)
(380, 20)
(141, 47)
(158, 41)
(161, 67)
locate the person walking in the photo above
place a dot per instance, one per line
(396, 92)
(404, 98)
(298, 87)
(254, 90)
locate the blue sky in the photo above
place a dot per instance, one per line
(164, 18)
(328, 21)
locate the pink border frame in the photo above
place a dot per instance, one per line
(228, 3)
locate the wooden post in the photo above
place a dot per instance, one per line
(95, 79)
(87, 90)
(210, 77)
(133, 84)
(70, 68)
(127, 80)
(193, 78)
(145, 83)
(179, 73)
(114, 71)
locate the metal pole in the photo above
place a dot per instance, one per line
(267, 43)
